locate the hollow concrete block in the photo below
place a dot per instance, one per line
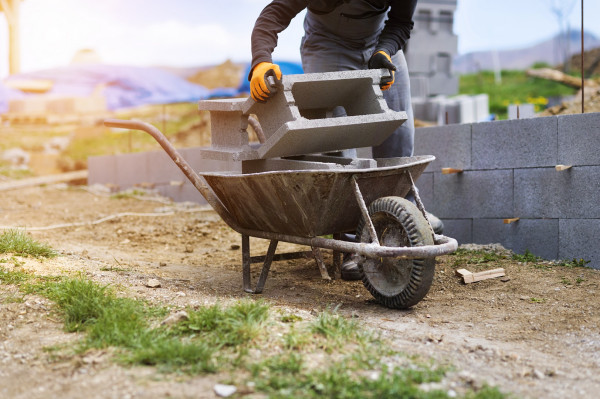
(522, 143)
(162, 169)
(181, 193)
(539, 236)
(576, 240)
(474, 194)
(425, 186)
(579, 139)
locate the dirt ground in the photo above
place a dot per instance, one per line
(535, 334)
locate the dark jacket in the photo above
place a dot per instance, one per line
(277, 15)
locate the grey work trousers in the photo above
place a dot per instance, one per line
(324, 50)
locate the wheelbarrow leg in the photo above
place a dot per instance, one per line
(247, 279)
(319, 259)
(337, 259)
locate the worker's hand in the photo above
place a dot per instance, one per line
(379, 60)
(259, 89)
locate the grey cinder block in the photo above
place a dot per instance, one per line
(450, 144)
(544, 192)
(474, 194)
(181, 193)
(425, 186)
(459, 229)
(161, 168)
(577, 240)
(102, 170)
(579, 139)
(539, 236)
(132, 169)
(521, 143)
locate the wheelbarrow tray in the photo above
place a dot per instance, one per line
(310, 203)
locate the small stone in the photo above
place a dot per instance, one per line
(538, 374)
(180, 293)
(224, 391)
(153, 283)
(176, 318)
(84, 252)
(162, 264)
(505, 279)
(188, 249)
(125, 241)
(235, 246)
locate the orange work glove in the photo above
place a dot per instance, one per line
(258, 83)
(379, 60)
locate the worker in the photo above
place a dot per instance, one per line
(344, 35)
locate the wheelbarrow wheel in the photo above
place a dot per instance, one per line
(395, 282)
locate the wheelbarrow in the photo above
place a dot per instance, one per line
(315, 206)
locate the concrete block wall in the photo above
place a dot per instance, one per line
(509, 171)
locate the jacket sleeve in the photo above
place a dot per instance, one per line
(273, 19)
(397, 28)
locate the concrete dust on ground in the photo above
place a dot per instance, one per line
(534, 333)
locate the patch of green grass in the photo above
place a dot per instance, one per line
(537, 300)
(232, 326)
(19, 243)
(128, 194)
(527, 257)
(516, 88)
(7, 170)
(335, 327)
(474, 257)
(13, 276)
(574, 263)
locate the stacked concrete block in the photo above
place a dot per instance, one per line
(509, 172)
(521, 111)
(433, 45)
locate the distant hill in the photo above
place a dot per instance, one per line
(546, 51)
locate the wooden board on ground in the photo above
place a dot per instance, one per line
(469, 277)
(41, 180)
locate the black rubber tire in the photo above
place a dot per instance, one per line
(397, 283)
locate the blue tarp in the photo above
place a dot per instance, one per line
(124, 86)
(127, 86)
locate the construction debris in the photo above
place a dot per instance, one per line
(469, 277)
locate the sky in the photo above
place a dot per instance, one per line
(184, 33)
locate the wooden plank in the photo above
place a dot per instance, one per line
(41, 180)
(469, 277)
(449, 171)
(560, 168)
(511, 220)
(488, 274)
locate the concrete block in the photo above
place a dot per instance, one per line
(474, 194)
(131, 169)
(443, 84)
(419, 88)
(579, 139)
(364, 152)
(459, 229)
(102, 170)
(450, 144)
(419, 108)
(539, 236)
(515, 144)
(482, 107)
(162, 169)
(419, 63)
(198, 160)
(304, 110)
(466, 109)
(521, 111)
(577, 240)
(425, 187)
(181, 193)
(546, 193)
